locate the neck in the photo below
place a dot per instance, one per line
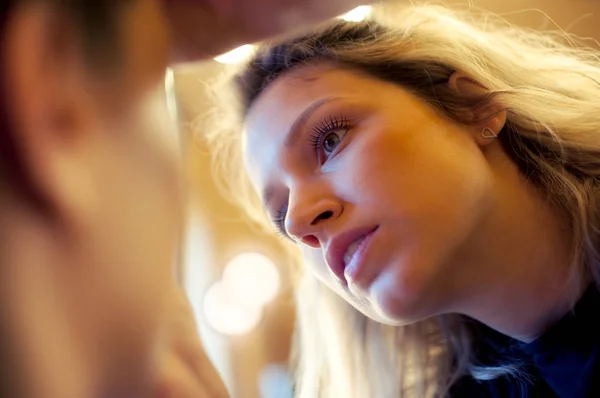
(523, 279)
(523, 310)
(51, 361)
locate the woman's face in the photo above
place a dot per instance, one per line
(386, 198)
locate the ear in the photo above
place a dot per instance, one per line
(46, 105)
(493, 117)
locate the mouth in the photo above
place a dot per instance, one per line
(346, 253)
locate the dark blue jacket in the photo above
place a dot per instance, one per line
(563, 363)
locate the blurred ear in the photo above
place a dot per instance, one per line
(47, 108)
(493, 117)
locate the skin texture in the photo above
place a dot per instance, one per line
(458, 228)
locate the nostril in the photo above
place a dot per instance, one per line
(323, 216)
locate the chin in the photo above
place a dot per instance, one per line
(376, 313)
(404, 293)
(396, 309)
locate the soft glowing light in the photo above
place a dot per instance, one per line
(237, 55)
(252, 278)
(170, 90)
(228, 316)
(358, 14)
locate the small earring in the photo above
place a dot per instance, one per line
(488, 134)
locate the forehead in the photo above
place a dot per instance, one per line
(277, 108)
(289, 94)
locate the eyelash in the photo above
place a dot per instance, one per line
(325, 127)
(279, 221)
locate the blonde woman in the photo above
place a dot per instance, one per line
(442, 176)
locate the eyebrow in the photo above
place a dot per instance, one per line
(293, 135)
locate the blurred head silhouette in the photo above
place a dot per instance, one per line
(87, 159)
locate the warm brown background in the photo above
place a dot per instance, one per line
(225, 233)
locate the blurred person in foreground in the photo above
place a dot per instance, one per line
(90, 198)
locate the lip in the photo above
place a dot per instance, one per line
(334, 254)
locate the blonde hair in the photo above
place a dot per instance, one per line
(550, 87)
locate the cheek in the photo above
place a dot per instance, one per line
(428, 191)
(416, 172)
(373, 170)
(429, 194)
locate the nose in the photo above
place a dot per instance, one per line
(306, 220)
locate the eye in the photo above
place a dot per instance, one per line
(328, 134)
(332, 140)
